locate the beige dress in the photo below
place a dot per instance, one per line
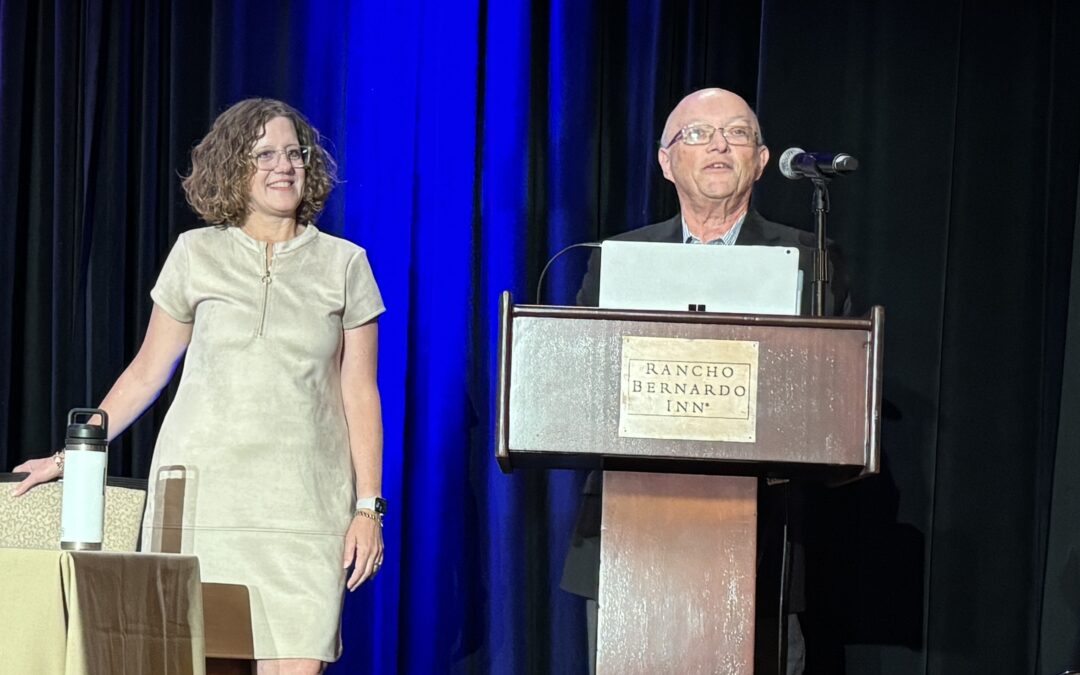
(255, 444)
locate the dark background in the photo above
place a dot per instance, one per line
(476, 138)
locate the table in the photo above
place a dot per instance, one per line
(100, 613)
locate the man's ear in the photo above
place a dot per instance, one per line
(763, 159)
(664, 158)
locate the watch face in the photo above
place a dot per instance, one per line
(380, 505)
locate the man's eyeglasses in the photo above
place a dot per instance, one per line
(267, 159)
(700, 134)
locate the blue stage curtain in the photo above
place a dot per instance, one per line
(449, 139)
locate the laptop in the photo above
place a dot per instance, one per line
(687, 277)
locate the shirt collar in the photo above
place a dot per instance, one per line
(727, 240)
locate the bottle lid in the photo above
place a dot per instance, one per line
(83, 431)
(86, 432)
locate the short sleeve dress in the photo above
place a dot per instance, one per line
(252, 470)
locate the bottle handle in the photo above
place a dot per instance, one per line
(89, 412)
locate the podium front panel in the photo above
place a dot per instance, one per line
(815, 393)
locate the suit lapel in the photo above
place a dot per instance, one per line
(756, 231)
(670, 230)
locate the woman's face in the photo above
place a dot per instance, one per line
(276, 192)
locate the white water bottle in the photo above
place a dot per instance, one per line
(86, 454)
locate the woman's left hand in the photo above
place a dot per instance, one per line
(41, 470)
(363, 550)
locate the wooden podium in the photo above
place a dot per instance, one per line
(685, 411)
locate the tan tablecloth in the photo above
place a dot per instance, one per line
(83, 613)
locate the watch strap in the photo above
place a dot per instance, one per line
(376, 504)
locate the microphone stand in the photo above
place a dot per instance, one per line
(819, 207)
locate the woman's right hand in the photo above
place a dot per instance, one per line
(41, 471)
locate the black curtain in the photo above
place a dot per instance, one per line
(100, 106)
(961, 557)
(961, 223)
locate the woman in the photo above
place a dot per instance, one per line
(276, 426)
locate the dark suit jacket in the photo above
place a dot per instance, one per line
(581, 571)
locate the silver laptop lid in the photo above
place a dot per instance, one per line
(733, 279)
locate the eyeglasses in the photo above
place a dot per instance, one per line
(267, 159)
(700, 134)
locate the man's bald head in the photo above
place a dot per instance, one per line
(700, 104)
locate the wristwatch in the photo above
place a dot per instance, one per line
(376, 504)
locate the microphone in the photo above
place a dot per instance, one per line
(796, 163)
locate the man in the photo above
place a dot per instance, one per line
(712, 150)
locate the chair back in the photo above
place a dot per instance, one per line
(33, 520)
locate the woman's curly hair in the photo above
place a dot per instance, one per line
(219, 185)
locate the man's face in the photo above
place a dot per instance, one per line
(716, 171)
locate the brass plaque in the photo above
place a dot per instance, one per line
(677, 388)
